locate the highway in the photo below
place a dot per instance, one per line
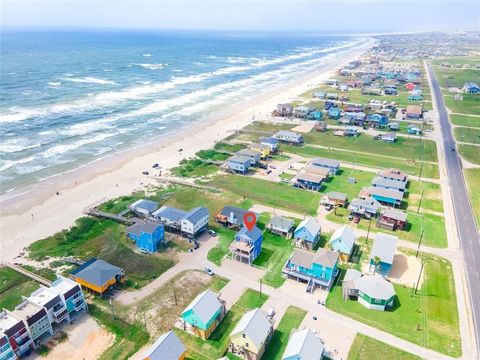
(467, 229)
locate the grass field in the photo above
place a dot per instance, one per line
(403, 148)
(219, 251)
(269, 193)
(367, 348)
(370, 160)
(448, 77)
(104, 239)
(216, 346)
(194, 168)
(462, 120)
(13, 286)
(432, 196)
(340, 182)
(292, 319)
(467, 135)
(473, 181)
(469, 105)
(471, 153)
(428, 318)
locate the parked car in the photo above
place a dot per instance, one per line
(196, 246)
(145, 172)
(271, 312)
(154, 166)
(212, 233)
(208, 271)
(356, 219)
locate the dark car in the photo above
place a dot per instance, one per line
(196, 246)
(154, 166)
(145, 172)
(212, 233)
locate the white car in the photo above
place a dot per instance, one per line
(208, 271)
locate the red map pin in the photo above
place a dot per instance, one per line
(250, 219)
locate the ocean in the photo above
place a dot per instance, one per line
(69, 98)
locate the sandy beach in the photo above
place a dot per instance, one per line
(37, 212)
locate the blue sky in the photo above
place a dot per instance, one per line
(346, 16)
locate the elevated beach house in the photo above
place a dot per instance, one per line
(392, 220)
(263, 150)
(343, 242)
(167, 346)
(367, 208)
(376, 120)
(393, 174)
(36, 318)
(147, 235)
(304, 345)
(414, 112)
(383, 253)
(283, 110)
(52, 302)
(170, 217)
(98, 276)
(247, 245)
(316, 269)
(16, 335)
(143, 208)
(195, 222)
(280, 226)
(389, 184)
(334, 198)
(71, 294)
(308, 181)
(254, 156)
(290, 137)
(251, 335)
(382, 195)
(471, 88)
(6, 350)
(330, 164)
(271, 142)
(307, 233)
(374, 292)
(230, 216)
(203, 314)
(239, 163)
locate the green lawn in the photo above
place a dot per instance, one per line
(219, 251)
(471, 153)
(467, 135)
(367, 348)
(432, 196)
(428, 318)
(403, 148)
(462, 120)
(216, 346)
(448, 77)
(13, 286)
(340, 182)
(221, 146)
(212, 155)
(194, 168)
(269, 193)
(409, 166)
(472, 177)
(469, 105)
(104, 239)
(456, 60)
(291, 320)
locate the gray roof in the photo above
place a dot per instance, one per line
(312, 225)
(352, 274)
(242, 159)
(396, 215)
(167, 346)
(337, 195)
(268, 140)
(287, 133)
(322, 257)
(307, 176)
(393, 173)
(365, 203)
(97, 272)
(304, 345)
(346, 234)
(237, 212)
(255, 325)
(196, 214)
(316, 170)
(249, 235)
(281, 223)
(170, 213)
(248, 152)
(380, 181)
(325, 162)
(143, 227)
(205, 305)
(384, 246)
(145, 205)
(375, 287)
(392, 194)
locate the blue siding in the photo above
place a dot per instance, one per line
(148, 242)
(384, 268)
(304, 234)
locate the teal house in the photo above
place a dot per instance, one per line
(316, 269)
(315, 115)
(203, 314)
(334, 112)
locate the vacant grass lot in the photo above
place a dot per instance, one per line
(432, 196)
(456, 77)
(403, 148)
(104, 239)
(370, 160)
(219, 251)
(194, 168)
(340, 182)
(471, 153)
(13, 286)
(216, 346)
(428, 318)
(468, 135)
(292, 319)
(269, 193)
(462, 120)
(473, 181)
(367, 348)
(469, 105)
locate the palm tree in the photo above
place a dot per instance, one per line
(376, 261)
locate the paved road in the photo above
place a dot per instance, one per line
(466, 225)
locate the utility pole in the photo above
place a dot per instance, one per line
(419, 243)
(260, 288)
(243, 202)
(421, 169)
(420, 203)
(419, 275)
(175, 295)
(368, 231)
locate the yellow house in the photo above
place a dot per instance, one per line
(251, 335)
(98, 275)
(168, 346)
(264, 150)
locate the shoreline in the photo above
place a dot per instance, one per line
(37, 212)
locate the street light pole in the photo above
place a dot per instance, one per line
(419, 243)
(420, 203)
(368, 231)
(419, 275)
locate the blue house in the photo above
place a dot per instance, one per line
(383, 253)
(271, 142)
(377, 120)
(343, 242)
(334, 112)
(414, 130)
(147, 235)
(253, 155)
(315, 115)
(316, 269)
(247, 245)
(390, 91)
(471, 88)
(239, 163)
(307, 233)
(415, 98)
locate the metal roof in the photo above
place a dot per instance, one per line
(205, 305)
(287, 133)
(337, 195)
(237, 212)
(325, 162)
(385, 182)
(242, 159)
(393, 173)
(307, 176)
(249, 235)
(197, 214)
(167, 346)
(170, 213)
(322, 257)
(311, 224)
(392, 194)
(318, 170)
(384, 246)
(255, 325)
(248, 152)
(375, 287)
(396, 215)
(147, 206)
(268, 140)
(97, 272)
(281, 223)
(138, 228)
(304, 345)
(352, 274)
(346, 234)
